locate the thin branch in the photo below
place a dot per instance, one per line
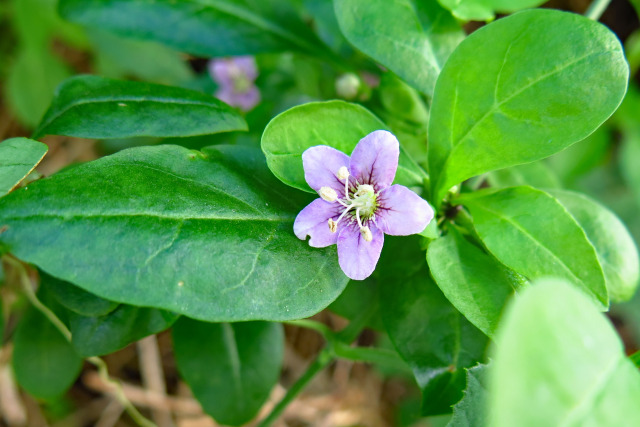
(596, 9)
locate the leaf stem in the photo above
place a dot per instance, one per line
(596, 9)
(103, 371)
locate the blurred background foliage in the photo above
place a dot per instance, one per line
(38, 50)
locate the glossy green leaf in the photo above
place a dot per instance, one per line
(536, 174)
(31, 83)
(402, 101)
(428, 332)
(485, 10)
(515, 91)
(44, 362)
(338, 124)
(359, 297)
(471, 411)
(230, 367)
(204, 28)
(393, 34)
(530, 232)
(98, 335)
(76, 299)
(473, 281)
(614, 245)
(197, 234)
(18, 157)
(97, 107)
(560, 362)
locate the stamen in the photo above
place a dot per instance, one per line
(343, 173)
(358, 218)
(366, 234)
(328, 194)
(333, 225)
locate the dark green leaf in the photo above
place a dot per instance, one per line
(338, 124)
(357, 298)
(530, 232)
(96, 107)
(560, 362)
(428, 332)
(76, 299)
(484, 10)
(515, 91)
(95, 336)
(474, 282)
(206, 235)
(614, 245)
(44, 362)
(18, 157)
(393, 34)
(204, 28)
(471, 410)
(230, 367)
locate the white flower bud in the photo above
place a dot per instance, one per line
(333, 225)
(348, 85)
(366, 234)
(328, 194)
(343, 173)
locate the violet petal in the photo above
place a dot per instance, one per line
(357, 257)
(401, 212)
(313, 221)
(375, 159)
(321, 164)
(220, 73)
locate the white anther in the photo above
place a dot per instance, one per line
(328, 194)
(364, 189)
(343, 173)
(366, 234)
(333, 225)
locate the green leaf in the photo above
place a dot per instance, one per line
(18, 157)
(471, 410)
(230, 367)
(536, 174)
(402, 101)
(614, 245)
(120, 57)
(76, 299)
(558, 361)
(99, 335)
(391, 33)
(515, 91)
(357, 298)
(96, 107)
(485, 10)
(44, 362)
(428, 332)
(32, 80)
(203, 28)
(197, 234)
(338, 124)
(530, 232)
(474, 282)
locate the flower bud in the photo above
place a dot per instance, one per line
(348, 85)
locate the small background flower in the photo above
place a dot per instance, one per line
(357, 203)
(236, 81)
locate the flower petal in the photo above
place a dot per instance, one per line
(402, 212)
(220, 73)
(357, 257)
(321, 164)
(247, 65)
(313, 221)
(374, 161)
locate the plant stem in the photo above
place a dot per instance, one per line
(596, 9)
(323, 359)
(103, 371)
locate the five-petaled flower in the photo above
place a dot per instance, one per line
(357, 203)
(235, 77)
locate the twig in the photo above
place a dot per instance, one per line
(111, 414)
(596, 9)
(153, 378)
(11, 406)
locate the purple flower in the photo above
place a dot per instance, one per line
(235, 77)
(357, 203)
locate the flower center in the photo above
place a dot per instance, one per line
(361, 205)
